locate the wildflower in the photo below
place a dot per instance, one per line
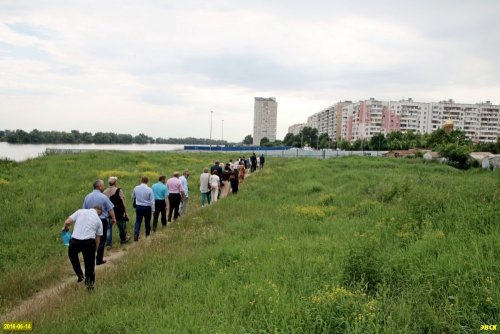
(439, 234)
(314, 212)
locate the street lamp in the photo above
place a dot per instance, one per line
(210, 142)
(222, 131)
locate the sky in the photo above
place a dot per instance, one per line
(159, 67)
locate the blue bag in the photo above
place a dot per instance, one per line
(66, 237)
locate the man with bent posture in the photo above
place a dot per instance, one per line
(86, 234)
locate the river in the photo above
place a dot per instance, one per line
(20, 152)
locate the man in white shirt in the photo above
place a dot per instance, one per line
(86, 235)
(205, 187)
(184, 202)
(214, 182)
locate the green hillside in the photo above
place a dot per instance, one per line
(359, 245)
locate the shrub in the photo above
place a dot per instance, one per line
(457, 155)
(362, 268)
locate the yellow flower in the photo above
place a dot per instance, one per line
(314, 212)
(104, 174)
(439, 234)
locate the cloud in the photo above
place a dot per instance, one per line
(247, 71)
(149, 66)
(29, 30)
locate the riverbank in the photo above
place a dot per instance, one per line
(22, 152)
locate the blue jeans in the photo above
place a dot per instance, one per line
(122, 228)
(140, 213)
(109, 234)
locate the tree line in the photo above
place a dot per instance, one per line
(396, 140)
(75, 137)
(454, 146)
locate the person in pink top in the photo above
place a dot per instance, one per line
(175, 194)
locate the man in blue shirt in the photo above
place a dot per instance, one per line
(160, 192)
(145, 206)
(97, 198)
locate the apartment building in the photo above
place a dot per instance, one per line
(363, 119)
(296, 128)
(488, 117)
(406, 115)
(264, 121)
(479, 121)
(328, 120)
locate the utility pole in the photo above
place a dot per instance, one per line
(211, 113)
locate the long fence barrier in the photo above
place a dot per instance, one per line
(267, 151)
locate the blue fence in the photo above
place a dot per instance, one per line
(234, 148)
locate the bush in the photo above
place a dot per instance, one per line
(361, 269)
(457, 155)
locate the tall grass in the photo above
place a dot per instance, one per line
(36, 197)
(323, 246)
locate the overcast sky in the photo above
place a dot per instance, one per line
(159, 67)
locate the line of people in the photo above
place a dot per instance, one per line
(224, 179)
(103, 208)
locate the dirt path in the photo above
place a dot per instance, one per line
(38, 301)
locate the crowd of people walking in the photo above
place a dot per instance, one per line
(103, 208)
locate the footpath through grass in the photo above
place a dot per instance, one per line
(36, 197)
(360, 245)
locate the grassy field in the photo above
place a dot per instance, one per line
(359, 245)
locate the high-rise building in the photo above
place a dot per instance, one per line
(328, 120)
(264, 119)
(296, 128)
(364, 119)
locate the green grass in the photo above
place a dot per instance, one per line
(360, 245)
(36, 197)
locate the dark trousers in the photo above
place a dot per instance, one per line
(141, 212)
(174, 200)
(234, 186)
(122, 227)
(102, 242)
(160, 207)
(87, 248)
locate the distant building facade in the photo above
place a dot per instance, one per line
(296, 128)
(364, 119)
(264, 119)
